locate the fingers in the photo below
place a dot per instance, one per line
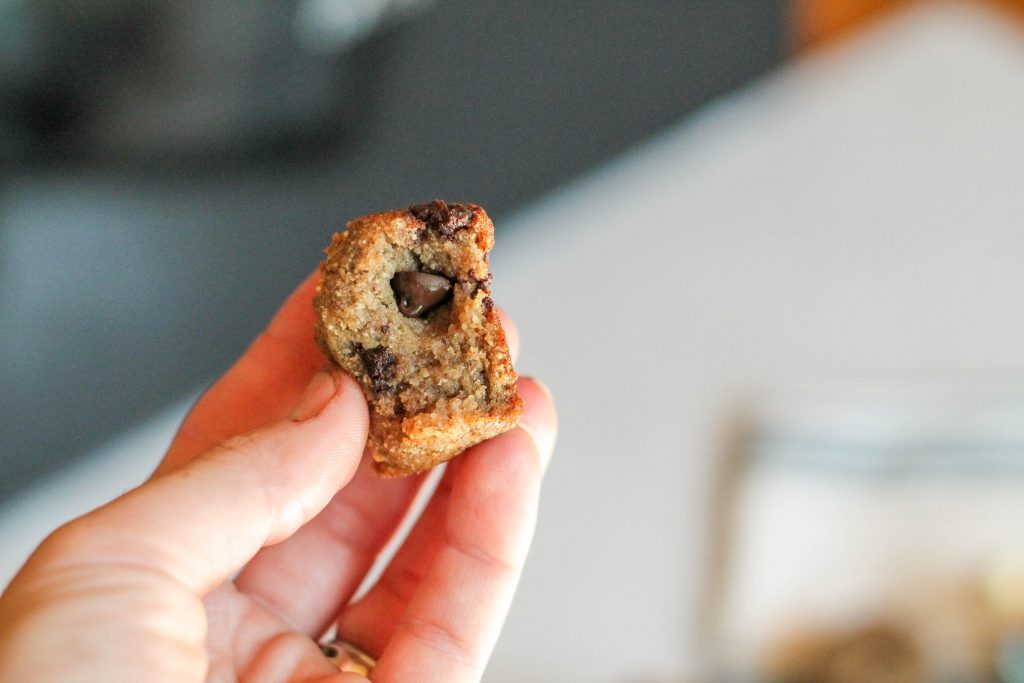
(437, 609)
(261, 386)
(306, 578)
(200, 523)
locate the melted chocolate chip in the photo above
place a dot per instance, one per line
(417, 293)
(380, 366)
(443, 218)
(488, 303)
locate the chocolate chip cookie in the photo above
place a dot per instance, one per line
(404, 305)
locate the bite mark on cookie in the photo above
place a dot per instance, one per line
(436, 371)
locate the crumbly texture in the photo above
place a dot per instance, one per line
(436, 383)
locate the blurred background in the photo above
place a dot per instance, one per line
(767, 253)
(172, 171)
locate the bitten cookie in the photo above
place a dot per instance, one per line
(404, 306)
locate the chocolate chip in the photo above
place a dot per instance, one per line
(488, 303)
(417, 293)
(380, 366)
(329, 651)
(443, 218)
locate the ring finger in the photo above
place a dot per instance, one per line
(448, 588)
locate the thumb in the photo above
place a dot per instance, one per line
(202, 522)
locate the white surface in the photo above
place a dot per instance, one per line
(858, 214)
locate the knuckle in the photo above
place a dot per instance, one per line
(74, 539)
(481, 555)
(442, 640)
(350, 524)
(400, 582)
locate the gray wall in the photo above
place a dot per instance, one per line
(126, 285)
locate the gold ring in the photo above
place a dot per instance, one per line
(347, 657)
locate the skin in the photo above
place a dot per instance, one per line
(266, 481)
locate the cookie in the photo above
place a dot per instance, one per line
(404, 306)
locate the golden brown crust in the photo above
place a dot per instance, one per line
(436, 384)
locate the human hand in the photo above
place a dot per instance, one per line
(141, 589)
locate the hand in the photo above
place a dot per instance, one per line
(265, 481)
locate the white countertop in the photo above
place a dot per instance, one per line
(857, 214)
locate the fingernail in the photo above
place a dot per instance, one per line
(538, 429)
(320, 390)
(543, 387)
